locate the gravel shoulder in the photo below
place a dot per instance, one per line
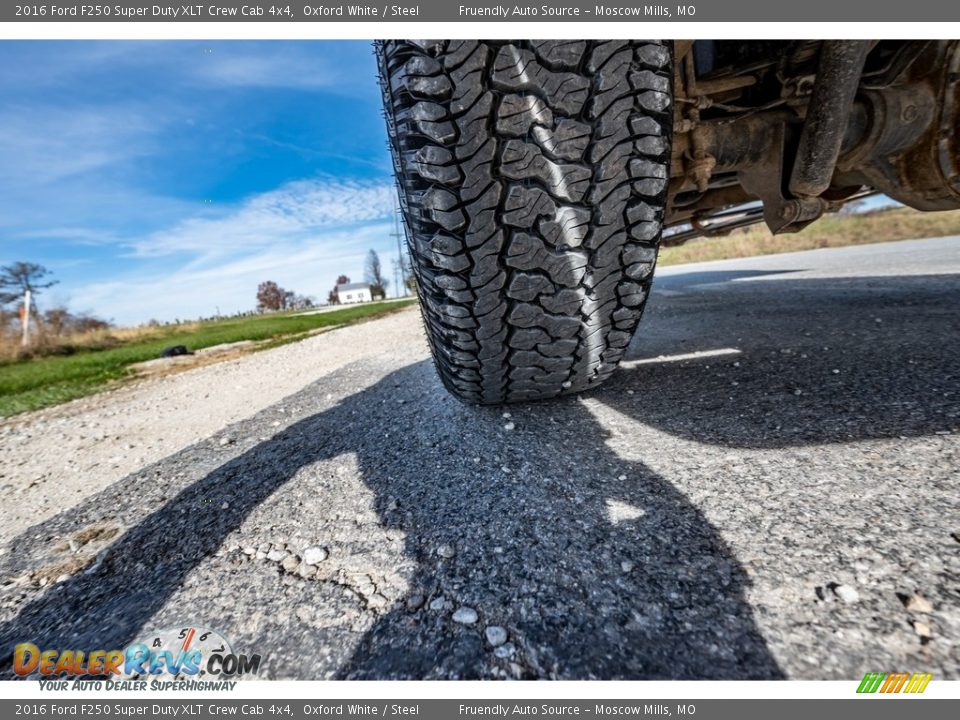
(54, 458)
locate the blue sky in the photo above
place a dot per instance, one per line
(167, 179)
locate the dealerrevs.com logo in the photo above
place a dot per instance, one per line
(174, 658)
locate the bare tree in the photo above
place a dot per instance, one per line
(24, 281)
(301, 302)
(373, 274)
(57, 321)
(84, 323)
(22, 277)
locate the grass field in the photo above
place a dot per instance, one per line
(830, 231)
(41, 382)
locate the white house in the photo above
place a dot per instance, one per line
(354, 293)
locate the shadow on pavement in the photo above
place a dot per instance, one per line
(596, 566)
(538, 548)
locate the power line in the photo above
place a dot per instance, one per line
(399, 269)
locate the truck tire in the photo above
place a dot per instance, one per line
(533, 180)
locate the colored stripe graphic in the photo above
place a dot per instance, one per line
(871, 682)
(894, 682)
(918, 682)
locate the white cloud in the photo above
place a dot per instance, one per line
(293, 212)
(301, 235)
(65, 172)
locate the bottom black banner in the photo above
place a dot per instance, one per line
(874, 708)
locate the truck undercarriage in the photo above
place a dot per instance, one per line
(782, 132)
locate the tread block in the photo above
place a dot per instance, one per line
(517, 69)
(441, 206)
(567, 228)
(653, 56)
(563, 302)
(562, 53)
(602, 52)
(435, 164)
(516, 114)
(422, 77)
(567, 141)
(527, 286)
(525, 161)
(527, 252)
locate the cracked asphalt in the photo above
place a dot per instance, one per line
(767, 489)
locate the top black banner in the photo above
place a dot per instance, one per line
(446, 11)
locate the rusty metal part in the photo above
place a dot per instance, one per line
(838, 75)
(706, 202)
(747, 140)
(764, 180)
(723, 222)
(911, 151)
(700, 165)
(736, 143)
(948, 143)
(681, 48)
(802, 211)
(804, 154)
(700, 170)
(887, 122)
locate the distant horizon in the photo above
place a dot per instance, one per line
(164, 180)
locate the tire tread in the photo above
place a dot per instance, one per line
(532, 180)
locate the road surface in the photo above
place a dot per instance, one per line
(767, 489)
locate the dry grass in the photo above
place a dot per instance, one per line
(46, 343)
(122, 335)
(831, 231)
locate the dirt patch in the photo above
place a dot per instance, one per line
(92, 534)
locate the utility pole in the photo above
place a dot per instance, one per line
(402, 266)
(25, 319)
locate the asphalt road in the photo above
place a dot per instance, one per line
(767, 489)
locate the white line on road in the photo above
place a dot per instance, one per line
(679, 358)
